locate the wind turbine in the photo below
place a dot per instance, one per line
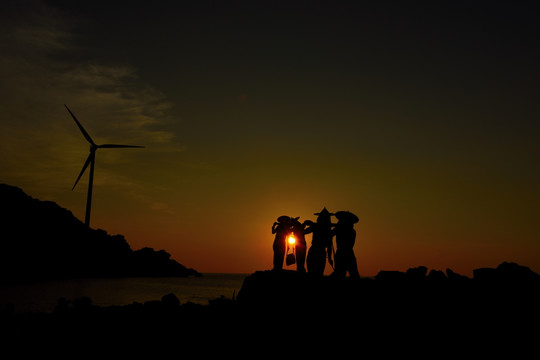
(91, 161)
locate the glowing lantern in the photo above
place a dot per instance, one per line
(291, 240)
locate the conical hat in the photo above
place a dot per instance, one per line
(347, 216)
(324, 212)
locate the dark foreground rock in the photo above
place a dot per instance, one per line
(405, 313)
(434, 290)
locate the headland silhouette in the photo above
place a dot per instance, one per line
(43, 241)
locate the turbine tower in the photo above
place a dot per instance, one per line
(91, 161)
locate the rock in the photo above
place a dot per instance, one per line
(455, 276)
(417, 273)
(82, 303)
(220, 301)
(506, 272)
(485, 274)
(170, 301)
(514, 272)
(390, 275)
(153, 305)
(436, 275)
(272, 285)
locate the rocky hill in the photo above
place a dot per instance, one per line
(39, 240)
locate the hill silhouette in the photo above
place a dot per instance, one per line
(39, 240)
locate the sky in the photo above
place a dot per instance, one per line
(421, 118)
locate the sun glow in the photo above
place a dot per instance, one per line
(291, 240)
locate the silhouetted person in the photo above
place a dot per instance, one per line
(300, 245)
(345, 238)
(282, 229)
(321, 243)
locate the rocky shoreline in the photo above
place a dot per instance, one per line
(398, 305)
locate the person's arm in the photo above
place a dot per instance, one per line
(309, 227)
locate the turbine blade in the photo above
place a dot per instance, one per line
(88, 161)
(118, 146)
(86, 136)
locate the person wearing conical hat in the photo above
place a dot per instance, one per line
(298, 231)
(345, 239)
(321, 243)
(281, 228)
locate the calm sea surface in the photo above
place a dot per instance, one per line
(103, 292)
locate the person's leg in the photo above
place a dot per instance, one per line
(300, 257)
(279, 255)
(352, 266)
(340, 264)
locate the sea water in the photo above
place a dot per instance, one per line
(43, 297)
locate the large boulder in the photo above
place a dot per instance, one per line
(506, 272)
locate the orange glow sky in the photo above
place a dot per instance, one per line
(423, 121)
